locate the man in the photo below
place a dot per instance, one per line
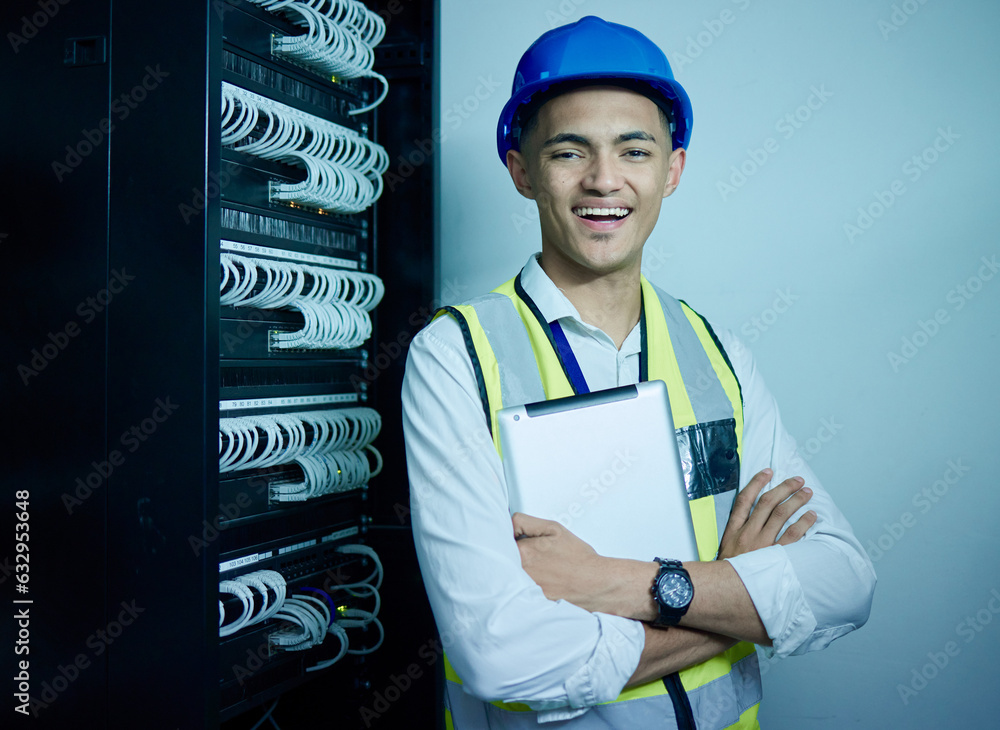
(537, 627)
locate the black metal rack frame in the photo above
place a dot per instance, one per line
(113, 213)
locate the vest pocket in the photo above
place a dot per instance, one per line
(709, 457)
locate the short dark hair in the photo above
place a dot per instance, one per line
(526, 118)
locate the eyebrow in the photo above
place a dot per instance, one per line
(636, 135)
(581, 140)
(566, 137)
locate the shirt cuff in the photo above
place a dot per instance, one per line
(605, 674)
(777, 595)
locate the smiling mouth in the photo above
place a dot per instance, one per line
(602, 214)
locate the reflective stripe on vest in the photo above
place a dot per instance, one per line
(502, 334)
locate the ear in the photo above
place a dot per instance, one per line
(516, 166)
(676, 167)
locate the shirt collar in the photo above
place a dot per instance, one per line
(554, 305)
(551, 302)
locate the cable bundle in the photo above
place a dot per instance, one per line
(327, 326)
(356, 617)
(339, 471)
(257, 442)
(334, 303)
(314, 620)
(243, 587)
(310, 614)
(285, 281)
(343, 169)
(340, 39)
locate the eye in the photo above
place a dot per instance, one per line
(637, 154)
(565, 155)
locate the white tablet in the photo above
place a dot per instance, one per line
(606, 466)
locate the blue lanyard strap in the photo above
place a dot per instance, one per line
(557, 338)
(569, 361)
(643, 344)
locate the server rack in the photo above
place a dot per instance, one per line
(120, 355)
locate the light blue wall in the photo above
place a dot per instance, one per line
(879, 433)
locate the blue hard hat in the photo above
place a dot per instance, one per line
(592, 48)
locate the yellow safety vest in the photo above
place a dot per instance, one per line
(516, 362)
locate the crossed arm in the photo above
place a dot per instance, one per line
(508, 642)
(721, 612)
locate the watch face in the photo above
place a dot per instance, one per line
(675, 590)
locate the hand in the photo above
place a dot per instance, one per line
(557, 560)
(751, 528)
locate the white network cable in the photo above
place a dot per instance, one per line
(351, 14)
(284, 282)
(243, 587)
(245, 595)
(310, 614)
(308, 619)
(334, 304)
(343, 169)
(327, 326)
(340, 39)
(360, 618)
(256, 442)
(341, 635)
(339, 471)
(377, 644)
(358, 549)
(356, 617)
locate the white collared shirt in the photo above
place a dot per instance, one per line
(504, 638)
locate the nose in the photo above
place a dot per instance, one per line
(604, 175)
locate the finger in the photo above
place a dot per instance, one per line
(784, 511)
(530, 526)
(770, 500)
(743, 503)
(798, 530)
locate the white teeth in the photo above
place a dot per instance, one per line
(620, 212)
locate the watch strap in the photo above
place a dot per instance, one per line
(669, 615)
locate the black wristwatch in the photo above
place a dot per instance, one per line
(672, 591)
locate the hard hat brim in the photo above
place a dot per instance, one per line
(672, 91)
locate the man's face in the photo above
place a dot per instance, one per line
(598, 164)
